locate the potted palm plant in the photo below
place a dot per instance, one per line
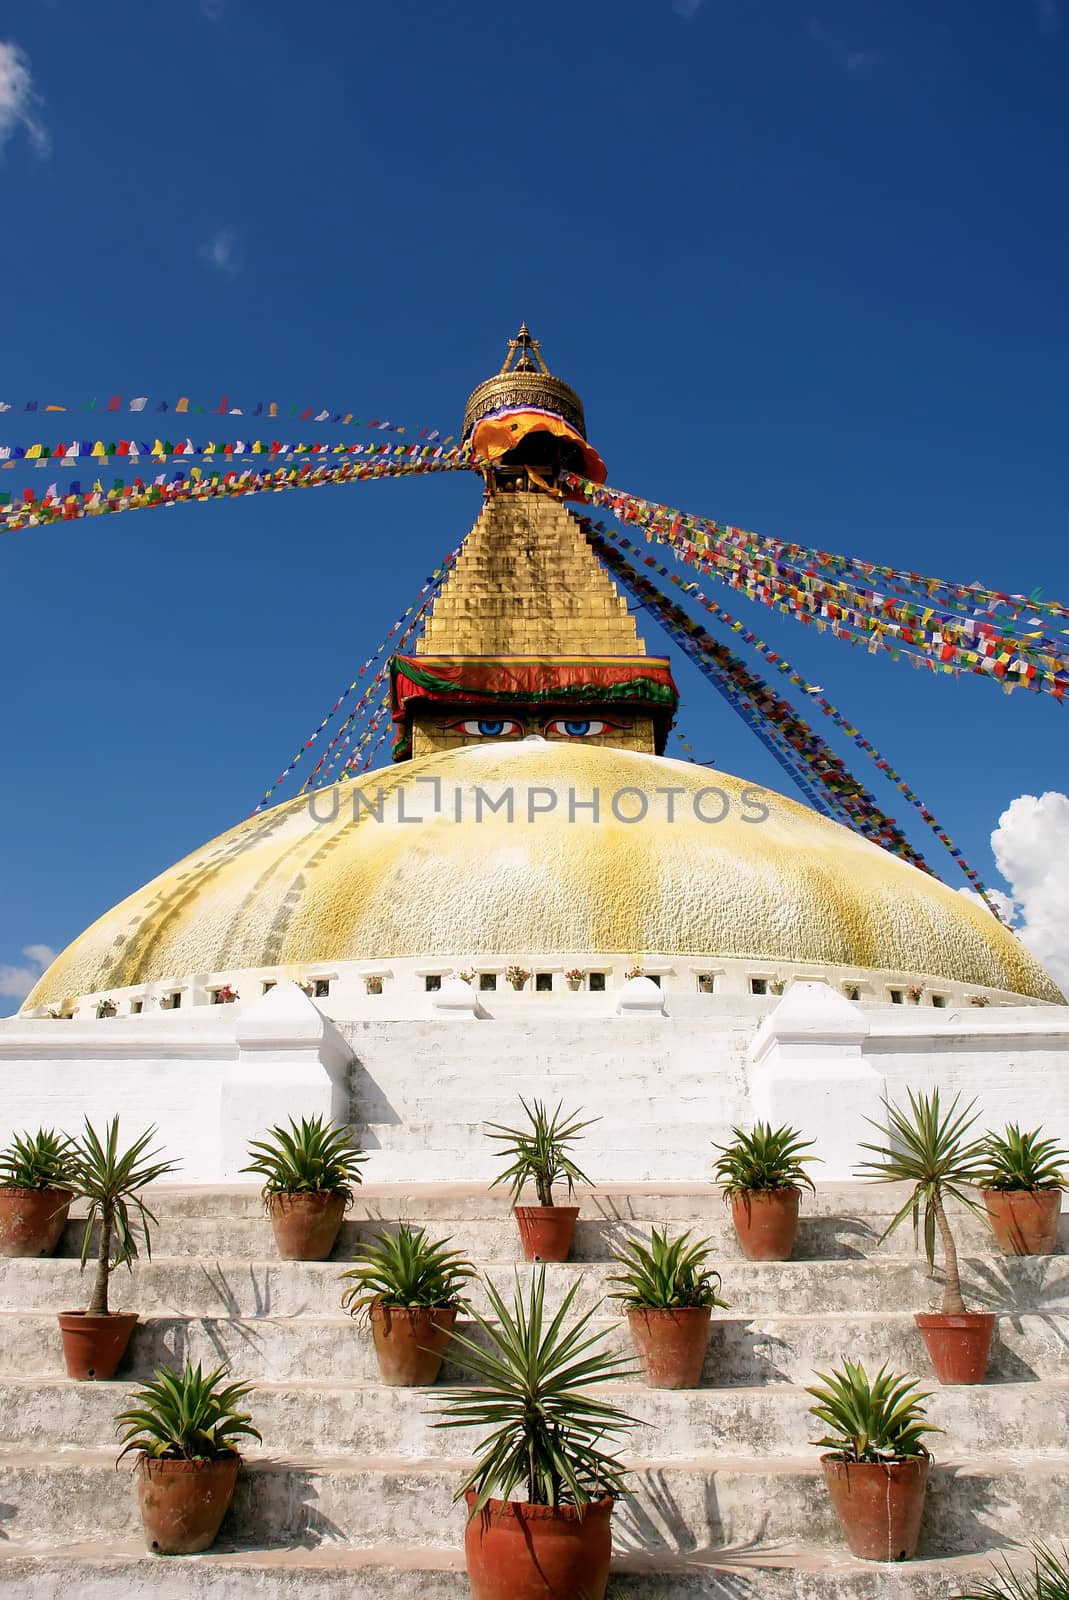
(1048, 1579)
(35, 1196)
(535, 1378)
(938, 1155)
(539, 1155)
(410, 1288)
(669, 1292)
(763, 1173)
(876, 1466)
(110, 1180)
(183, 1425)
(1022, 1182)
(309, 1170)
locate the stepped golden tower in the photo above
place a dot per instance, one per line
(529, 636)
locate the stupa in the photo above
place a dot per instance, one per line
(531, 824)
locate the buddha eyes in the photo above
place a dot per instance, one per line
(513, 728)
(488, 727)
(578, 727)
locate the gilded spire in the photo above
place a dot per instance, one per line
(524, 382)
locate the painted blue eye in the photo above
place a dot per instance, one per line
(579, 727)
(487, 727)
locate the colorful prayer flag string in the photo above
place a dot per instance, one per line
(817, 697)
(823, 766)
(91, 453)
(939, 640)
(416, 610)
(200, 486)
(269, 410)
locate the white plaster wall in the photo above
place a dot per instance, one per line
(662, 1087)
(665, 1086)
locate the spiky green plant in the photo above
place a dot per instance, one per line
(1014, 1160)
(539, 1152)
(934, 1152)
(1047, 1580)
(535, 1376)
(669, 1275)
(882, 1419)
(110, 1180)
(764, 1158)
(405, 1269)
(36, 1161)
(186, 1416)
(309, 1157)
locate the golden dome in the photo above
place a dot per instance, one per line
(285, 888)
(524, 382)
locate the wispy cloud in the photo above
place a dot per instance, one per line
(17, 981)
(1048, 16)
(19, 101)
(849, 59)
(687, 9)
(221, 252)
(214, 10)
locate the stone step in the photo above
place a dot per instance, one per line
(705, 1501)
(496, 1239)
(451, 1202)
(370, 1419)
(243, 1287)
(745, 1351)
(119, 1570)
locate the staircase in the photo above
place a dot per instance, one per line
(351, 1493)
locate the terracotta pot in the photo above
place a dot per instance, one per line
(671, 1344)
(766, 1222)
(520, 1552)
(1024, 1221)
(958, 1345)
(546, 1232)
(32, 1220)
(93, 1346)
(183, 1503)
(411, 1341)
(879, 1505)
(306, 1225)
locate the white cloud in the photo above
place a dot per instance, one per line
(687, 9)
(214, 10)
(17, 981)
(851, 60)
(19, 100)
(221, 252)
(1048, 15)
(1031, 846)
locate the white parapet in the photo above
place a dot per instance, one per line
(291, 1062)
(808, 1070)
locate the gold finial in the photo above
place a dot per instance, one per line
(524, 380)
(520, 351)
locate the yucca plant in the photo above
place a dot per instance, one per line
(1014, 1160)
(938, 1154)
(309, 1157)
(882, 1419)
(38, 1160)
(539, 1153)
(405, 1269)
(110, 1180)
(670, 1275)
(534, 1380)
(1047, 1580)
(765, 1158)
(186, 1416)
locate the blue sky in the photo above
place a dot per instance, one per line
(804, 262)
